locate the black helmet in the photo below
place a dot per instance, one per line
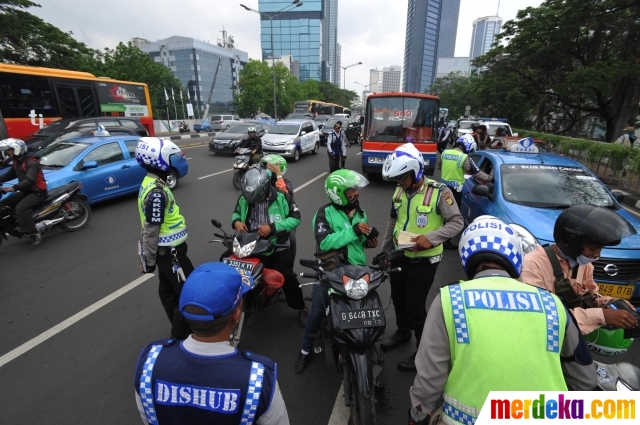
(587, 224)
(255, 184)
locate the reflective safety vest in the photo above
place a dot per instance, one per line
(504, 335)
(417, 214)
(452, 167)
(173, 230)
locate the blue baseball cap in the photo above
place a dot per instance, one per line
(216, 288)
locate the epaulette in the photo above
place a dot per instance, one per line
(266, 361)
(166, 342)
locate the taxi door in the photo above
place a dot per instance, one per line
(474, 205)
(113, 174)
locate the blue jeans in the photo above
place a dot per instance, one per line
(320, 302)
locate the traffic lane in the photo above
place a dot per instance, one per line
(67, 272)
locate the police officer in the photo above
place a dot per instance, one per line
(337, 144)
(455, 162)
(204, 379)
(164, 231)
(427, 209)
(493, 333)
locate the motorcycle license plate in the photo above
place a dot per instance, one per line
(365, 318)
(239, 264)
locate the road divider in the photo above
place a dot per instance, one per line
(34, 342)
(215, 174)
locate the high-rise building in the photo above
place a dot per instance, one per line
(338, 66)
(375, 81)
(194, 63)
(484, 34)
(330, 42)
(431, 33)
(287, 60)
(391, 78)
(446, 66)
(297, 33)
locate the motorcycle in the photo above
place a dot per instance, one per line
(64, 208)
(241, 166)
(242, 250)
(184, 128)
(355, 322)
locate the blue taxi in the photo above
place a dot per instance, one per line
(530, 190)
(106, 166)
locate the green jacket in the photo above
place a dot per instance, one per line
(334, 231)
(283, 214)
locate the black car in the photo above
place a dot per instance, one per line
(46, 135)
(228, 141)
(351, 127)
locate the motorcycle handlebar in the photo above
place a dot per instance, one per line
(218, 235)
(396, 270)
(309, 275)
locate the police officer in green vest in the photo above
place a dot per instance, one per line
(494, 333)
(456, 161)
(164, 231)
(424, 214)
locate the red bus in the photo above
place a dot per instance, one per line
(392, 119)
(33, 97)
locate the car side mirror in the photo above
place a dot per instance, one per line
(481, 190)
(515, 134)
(619, 197)
(303, 133)
(89, 165)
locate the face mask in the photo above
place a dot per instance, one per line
(584, 260)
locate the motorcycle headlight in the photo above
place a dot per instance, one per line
(243, 251)
(356, 288)
(529, 242)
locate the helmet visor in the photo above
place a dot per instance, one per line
(601, 226)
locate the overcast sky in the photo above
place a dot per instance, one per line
(370, 31)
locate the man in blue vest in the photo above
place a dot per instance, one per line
(337, 147)
(203, 379)
(494, 333)
(164, 230)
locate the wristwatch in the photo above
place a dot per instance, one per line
(279, 177)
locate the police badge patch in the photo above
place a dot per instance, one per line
(422, 220)
(448, 198)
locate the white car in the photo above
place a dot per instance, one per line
(223, 122)
(292, 138)
(492, 126)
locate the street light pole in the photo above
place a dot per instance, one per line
(295, 3)
(344, 84)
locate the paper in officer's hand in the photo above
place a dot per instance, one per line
(404, 239)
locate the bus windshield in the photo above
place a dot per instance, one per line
(402, 119)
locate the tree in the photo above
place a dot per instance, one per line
(28, 40)
(579, 57)
(455, 93)
(333, 94)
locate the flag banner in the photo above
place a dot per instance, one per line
(545, 407)
(166, 96)
(181, 95)
(173, 96)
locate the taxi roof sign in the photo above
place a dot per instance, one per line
(100, 131)
(526, 145)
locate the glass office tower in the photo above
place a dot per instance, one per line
(297, 33)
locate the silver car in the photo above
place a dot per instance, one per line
(223, 122)
(292, 139)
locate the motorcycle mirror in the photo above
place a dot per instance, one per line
(216, 223)
(312, 264)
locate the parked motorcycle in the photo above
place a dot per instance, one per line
(65, 208)
(354, 323)
(184, 128)
(241, 166)
(267, 283)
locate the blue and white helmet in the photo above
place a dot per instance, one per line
(467, 143)
(489, 239)
(19, 147)
(155, 152)
(404, 159)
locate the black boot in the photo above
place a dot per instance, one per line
(302, 362)
(409, 364)
(400, 336)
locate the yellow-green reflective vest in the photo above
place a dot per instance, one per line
(452, 167)
(504, 335)
(173, 230)
(417, 214)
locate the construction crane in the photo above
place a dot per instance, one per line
(206, 108)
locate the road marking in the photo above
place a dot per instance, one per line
(631, 211)
(215, 174)
(189, 158)
(297, 189)
(17, 352)
(194, 146)
(340, 413)
(359, 153)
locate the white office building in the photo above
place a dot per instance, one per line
(391, 78)
(484, 35)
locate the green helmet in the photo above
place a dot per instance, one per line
(275, 159)
(608, 342)
(339, 182)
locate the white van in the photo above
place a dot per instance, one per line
(341, 116)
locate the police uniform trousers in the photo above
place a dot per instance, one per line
(169, 289)
(335, 162)
(409, 291)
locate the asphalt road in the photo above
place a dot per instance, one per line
(84, 372)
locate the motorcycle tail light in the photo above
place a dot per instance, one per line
(356, 288)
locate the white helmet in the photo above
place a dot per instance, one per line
(18, 146)
(489, 239)
(155, 152)
(467, 143)
(404, 159)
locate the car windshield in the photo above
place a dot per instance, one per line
(401, 119)
(242, 128)
(60, 154)
(492, 127)
(72, 134)
(49, 130)
(466, 124)
(287, 129)
(321, 118)
(550, 186)
(330, 123)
